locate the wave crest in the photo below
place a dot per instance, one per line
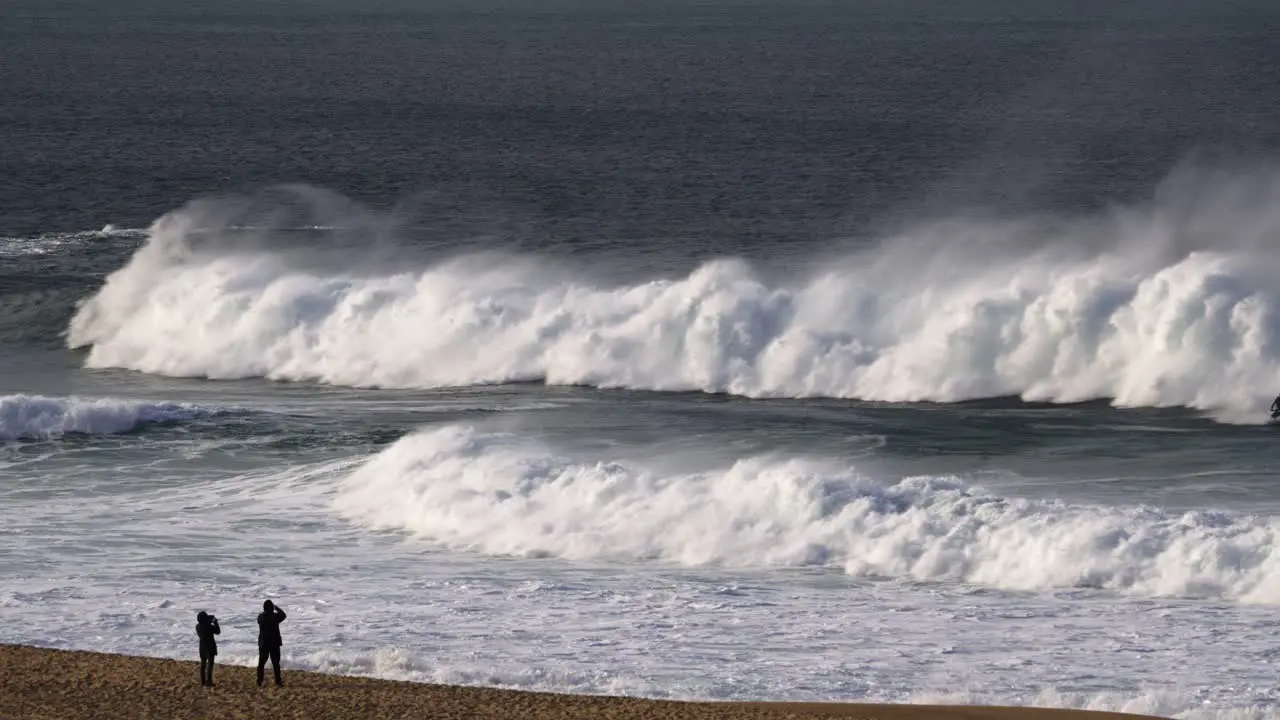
(37, 417)
(505, 495)
(1164, 306)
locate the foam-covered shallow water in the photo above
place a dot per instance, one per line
(484, 539)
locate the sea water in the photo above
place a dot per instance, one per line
(893, 352)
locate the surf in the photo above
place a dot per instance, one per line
(25, 417)
(504, 494)
(1171, 303)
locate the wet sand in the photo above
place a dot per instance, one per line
(43, 684)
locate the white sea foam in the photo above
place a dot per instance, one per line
(503, 494)
(126, 567)
(1171, 304)
(37, 417)
(1158, 703)
(394, 663)
(398, 663)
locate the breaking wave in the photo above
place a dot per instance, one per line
(502, 494)
(1174, 304)
(37, 417)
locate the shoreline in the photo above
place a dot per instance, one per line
(52, 684)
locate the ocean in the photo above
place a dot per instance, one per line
(906, 351)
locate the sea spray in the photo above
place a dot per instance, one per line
(1170, 305)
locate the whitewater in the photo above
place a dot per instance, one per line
(501, 495)
(1168, 304)
(508, 494)
(486, 551)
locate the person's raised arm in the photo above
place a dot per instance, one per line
(280, 614)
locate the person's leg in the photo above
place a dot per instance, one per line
(211, 658)
(262, 662)
(202, 662)
(275, 665)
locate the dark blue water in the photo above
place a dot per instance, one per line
(734, 127)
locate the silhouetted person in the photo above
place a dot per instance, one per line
(269, 639)
(206, 628)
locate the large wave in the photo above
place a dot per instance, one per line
(503, 494)
(1170, 304)
(37, 417)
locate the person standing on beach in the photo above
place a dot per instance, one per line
(206, 628)
(269, 641)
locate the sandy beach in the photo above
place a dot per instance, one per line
(44, 684)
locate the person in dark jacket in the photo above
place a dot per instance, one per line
(269, 641)
(206, 628)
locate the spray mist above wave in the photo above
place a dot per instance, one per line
(1172, 304)
(37, 417)
(506, 495)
